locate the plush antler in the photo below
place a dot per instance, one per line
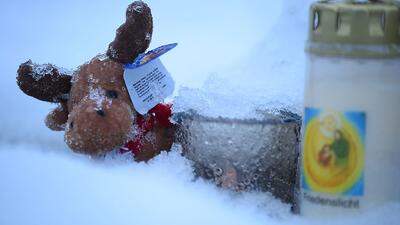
(134, 36)
(44, 82)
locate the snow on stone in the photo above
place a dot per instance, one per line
(272, 76)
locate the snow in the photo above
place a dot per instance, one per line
(233, 57)
(270, 75)
(41, 70)
(98, 95)
(40, 186)
(137, 8)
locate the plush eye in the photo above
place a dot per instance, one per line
(112, 94)
(100, 112)
(71, 125)
(218, 171)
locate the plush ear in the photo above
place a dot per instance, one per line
(57, 119)
(44, 82)
(134, 36)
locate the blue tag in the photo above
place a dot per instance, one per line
(147, 57)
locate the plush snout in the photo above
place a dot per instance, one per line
(97, 127)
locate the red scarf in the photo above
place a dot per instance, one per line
(159, 115)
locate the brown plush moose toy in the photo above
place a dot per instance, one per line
(95, 109)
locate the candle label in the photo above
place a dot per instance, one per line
(147, 80)
(333, 157)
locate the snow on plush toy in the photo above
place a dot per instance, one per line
(95, 109)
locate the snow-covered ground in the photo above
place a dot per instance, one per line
(247, 53)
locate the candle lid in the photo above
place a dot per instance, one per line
(355, 28)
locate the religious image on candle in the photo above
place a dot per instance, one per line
(333, 157)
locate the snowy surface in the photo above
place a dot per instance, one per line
(40, 187)
(233, 57)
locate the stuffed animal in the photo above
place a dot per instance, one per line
(94, 107)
